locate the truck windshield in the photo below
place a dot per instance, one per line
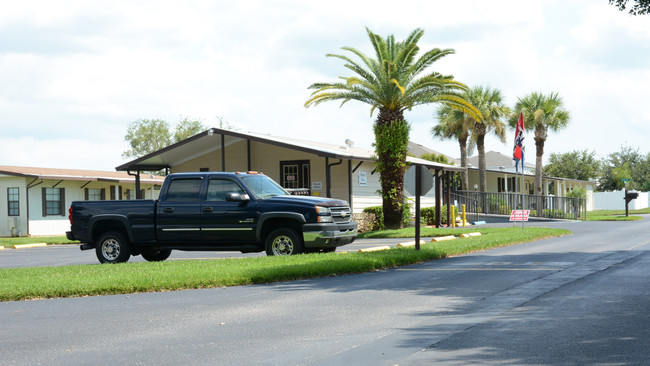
(263, 186)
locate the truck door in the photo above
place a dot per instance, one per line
(179, 214)
(227, 221)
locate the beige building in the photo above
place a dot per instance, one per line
(341, 171)
(35, 201)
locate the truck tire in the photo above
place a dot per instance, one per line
(113, 247)
(155, 255)
(283, 241)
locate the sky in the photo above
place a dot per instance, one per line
(74, 74)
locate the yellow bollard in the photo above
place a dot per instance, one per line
(453, 216)
(464, 216)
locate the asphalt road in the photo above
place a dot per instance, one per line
(576, 300)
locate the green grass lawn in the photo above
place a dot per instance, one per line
(91, 280)
(9, 242)
(616, 215)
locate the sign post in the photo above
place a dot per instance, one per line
(418, 180)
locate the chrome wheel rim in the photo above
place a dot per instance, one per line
(110, 249)
(282, 245)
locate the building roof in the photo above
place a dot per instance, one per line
(418, 150)
(494, 160)
(77, 174)
(211, 140)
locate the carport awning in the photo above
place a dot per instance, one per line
(211, 140)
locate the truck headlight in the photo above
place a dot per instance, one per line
(324, 214)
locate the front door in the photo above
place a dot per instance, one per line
(295, 176)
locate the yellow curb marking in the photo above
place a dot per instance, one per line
(34, 245)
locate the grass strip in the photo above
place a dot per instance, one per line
(9, 242)
(92, 280)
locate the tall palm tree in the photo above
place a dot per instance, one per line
(455, 124)
(393, 82)
(490, 102)
(542, 114)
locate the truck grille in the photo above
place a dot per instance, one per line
(341, 214)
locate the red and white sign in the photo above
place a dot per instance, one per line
(519, 215)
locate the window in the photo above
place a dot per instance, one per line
(295, 176)
(184, 190)
(219, 188)
(95, 194)
(53, 201)
(13, 201)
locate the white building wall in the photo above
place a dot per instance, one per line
(13, 225)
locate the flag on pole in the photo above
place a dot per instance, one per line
(518, 152)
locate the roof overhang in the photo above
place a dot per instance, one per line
(212, 139)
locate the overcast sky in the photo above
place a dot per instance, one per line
(74, 74)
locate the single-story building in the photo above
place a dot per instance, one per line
(341, 171)
(35, 201)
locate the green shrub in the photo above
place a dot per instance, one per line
(428, 215)
(378, 223)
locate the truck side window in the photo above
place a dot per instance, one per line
(184, 190)
(219, 188)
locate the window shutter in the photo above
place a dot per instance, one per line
(112, 188)
(62, 202)
(86, 196)
(44, 200)
(120, 191)
(103, 194)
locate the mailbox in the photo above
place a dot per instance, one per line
(631, 195)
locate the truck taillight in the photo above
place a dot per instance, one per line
(70, 215)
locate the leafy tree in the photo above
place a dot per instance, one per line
(581, 165)
(148, 135)
(392, 83)
(640, 7)
(541, 114)
(627, 163)
(186, 128)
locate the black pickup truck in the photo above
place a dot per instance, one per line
(246, 212)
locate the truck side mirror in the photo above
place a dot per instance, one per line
(237, 197)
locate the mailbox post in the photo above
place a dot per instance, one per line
(629, 196)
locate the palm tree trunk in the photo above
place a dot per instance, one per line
(462, 141)
(539, 146)
(480, 130)
(391, 146)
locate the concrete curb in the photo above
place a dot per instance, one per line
(443, 238)
(409, 244)
(374, 249)
(34, 245)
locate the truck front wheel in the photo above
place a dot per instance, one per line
(113, 247)
(283, 241)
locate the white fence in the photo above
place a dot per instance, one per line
(615, 201)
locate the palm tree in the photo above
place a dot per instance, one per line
(458, 124)
(490, 103)
(542, 114)
(455, 124)
(393, 82)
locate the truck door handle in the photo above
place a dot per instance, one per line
(207, 209)
(169, 209)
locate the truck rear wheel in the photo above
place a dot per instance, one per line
(113, 247)
(283, 241)
(156, 255)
